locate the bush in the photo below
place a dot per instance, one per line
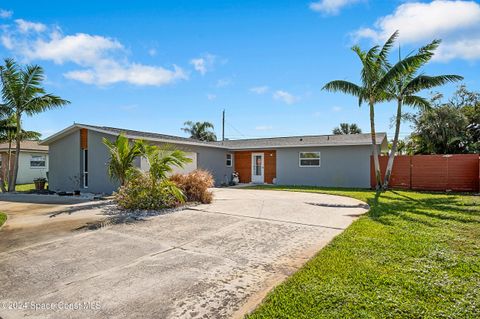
(195, 185)
(141, 192)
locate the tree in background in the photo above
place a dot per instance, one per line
(200, 131)
(345, 128)
(23, 94)
(450, 127)
(404, 89)
(8, 134)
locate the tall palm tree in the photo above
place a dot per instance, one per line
(376, 76)
(122, 155)
(23, 94)
(404, 90)
(346, 128)
(200, 130)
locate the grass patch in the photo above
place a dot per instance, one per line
(414, 255)
(26, 187)
(3, 218)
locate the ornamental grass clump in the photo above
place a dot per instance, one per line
(195, 185)
(143, 193)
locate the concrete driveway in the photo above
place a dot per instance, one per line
(210, 261)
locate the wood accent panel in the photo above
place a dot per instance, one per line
(83, 138)
(459, 172)
(270, 172)
(243, 165)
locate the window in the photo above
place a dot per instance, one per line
(38, 161)
(85, 168)
(309, 159)
(229, 160)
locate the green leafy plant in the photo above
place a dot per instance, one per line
(144, 193)
(122, 156)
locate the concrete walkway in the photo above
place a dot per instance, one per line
(212, 261)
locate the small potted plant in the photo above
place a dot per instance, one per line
(235, 178)
(40, 183)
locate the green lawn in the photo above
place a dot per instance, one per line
(26, 187)
(3, 218)
(415, 255)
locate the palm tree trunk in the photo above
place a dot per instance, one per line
(393, 151)
(376, 161)
(2, 178)
(9, 160)
(12, 183)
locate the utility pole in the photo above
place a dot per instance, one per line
(223, 125)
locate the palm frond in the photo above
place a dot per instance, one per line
(345, 87)
(423, 82)
(383, 54)
(417, 102)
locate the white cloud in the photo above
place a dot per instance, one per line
(112, 72)
(27, 26)
(259, 89)
(223, 83)
(337, 109)
(457, 23)
(331, 6)
(285, 97)
(264, 128)
(102, 59)
(5, 14)
(204, 63)
(211, 97)
(152, 52)
(129, 107)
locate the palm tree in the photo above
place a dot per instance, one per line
(122, 155)
(162, 160)
(376, 76)
(404, 89)
(23, 94)
(200, 131)
(346, 128)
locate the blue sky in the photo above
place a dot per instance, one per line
(151, 65)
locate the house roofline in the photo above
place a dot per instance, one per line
(383, 144)
(73, 127)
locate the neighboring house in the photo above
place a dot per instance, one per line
(33, 161)
(78, 158)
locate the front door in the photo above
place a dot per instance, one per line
(257, 168)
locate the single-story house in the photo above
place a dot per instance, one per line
(33, 161)
(78, 158)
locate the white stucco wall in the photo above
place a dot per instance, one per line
(27, 174)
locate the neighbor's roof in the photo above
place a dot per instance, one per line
(258, 143)
(304, 141)
(25, 146)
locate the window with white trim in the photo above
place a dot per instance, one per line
(38, 161)
(309, 159)
(229, 160)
